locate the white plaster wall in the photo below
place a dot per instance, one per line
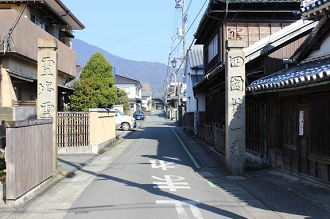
(139, 92)
(191, 102)
(324, 50)
(132, 89)
(201, 102)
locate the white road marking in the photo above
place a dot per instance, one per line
(195, 211)
(173, 158)
(179, 206)
(161, 164)
(171, 183)
(181, 211)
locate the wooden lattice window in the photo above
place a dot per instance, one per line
(320, 128)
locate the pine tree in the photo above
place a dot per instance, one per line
(96, 88)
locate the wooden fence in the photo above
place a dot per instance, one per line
(213, 134)
(24, 103)
(73, 129)
(29, 155)
(189, 120)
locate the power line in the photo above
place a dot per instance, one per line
(192, 43)
(188, 7)
(122, 41)
(171, 53)
(237, 13)
(145, 52)
(188, 28)
(147, 31)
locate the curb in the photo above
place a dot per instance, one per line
(42, 188)
(34, 193)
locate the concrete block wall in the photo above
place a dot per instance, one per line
(102, 132)
(15, 114)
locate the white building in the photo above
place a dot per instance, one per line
(132, 88)
(194, 73)
(146, 99)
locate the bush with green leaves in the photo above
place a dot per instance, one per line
(96, 88)
(122, 99)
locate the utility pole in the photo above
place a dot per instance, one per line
(184, 22)
(182, 4)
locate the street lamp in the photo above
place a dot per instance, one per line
(178, 4)
(174, 63)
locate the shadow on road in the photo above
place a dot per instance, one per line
(149, 188)
(167, 142)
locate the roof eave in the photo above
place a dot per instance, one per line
(82, 26)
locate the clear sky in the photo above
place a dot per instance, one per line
(136, 30)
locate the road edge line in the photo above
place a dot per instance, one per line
(186, 149)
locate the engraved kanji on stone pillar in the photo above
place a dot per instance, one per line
(47, 86)
(235, 107)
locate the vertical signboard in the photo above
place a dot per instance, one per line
(235, 107)
(47, 86)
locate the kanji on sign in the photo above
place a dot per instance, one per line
(47, 107)
(47, 65)
(170, 182)
(236, 83)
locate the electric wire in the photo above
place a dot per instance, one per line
(173, 50)
(188, 7)
(122, 41)
(237, 13)
(146, 31)
(137, 53)
(188, 28)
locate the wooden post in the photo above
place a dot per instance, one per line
(47, 86)
(235, 107)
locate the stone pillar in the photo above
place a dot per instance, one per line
(235, 107)
(47, 86)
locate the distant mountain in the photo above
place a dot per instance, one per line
(151, 72)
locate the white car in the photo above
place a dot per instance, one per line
(124, 122)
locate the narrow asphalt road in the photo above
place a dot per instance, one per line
(153, 178)
(151, 174)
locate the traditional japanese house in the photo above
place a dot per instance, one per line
(193, 73)
(297, 102)
(22, 24)
(248, 20)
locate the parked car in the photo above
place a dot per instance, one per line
(123, 121)
(139, 115)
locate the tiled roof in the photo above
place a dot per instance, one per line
(303, 74)
(124, 80)
(312, 8)
(195, 56)
(266, 45)
(22, 76)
